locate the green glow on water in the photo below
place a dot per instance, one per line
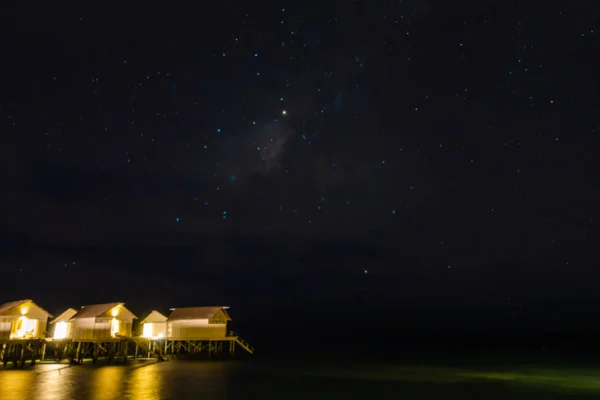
(571, 379)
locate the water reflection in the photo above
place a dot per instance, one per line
(54, 384)
(16, 385)
(145, 382)
(222, 380)
(140, 381)
(107, 382)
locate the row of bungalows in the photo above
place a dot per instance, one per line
(95, 322)
(106, 321)
(26, 320)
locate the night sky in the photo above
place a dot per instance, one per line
(390, 163)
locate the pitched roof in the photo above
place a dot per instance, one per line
(12, 304)
(65, 316)
(178, 314)
(95, 310)
(154, 316)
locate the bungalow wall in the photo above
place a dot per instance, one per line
(104, 328)
(83, 328)
(98, 328)
(5, 328)
(195, 329)
(42, 327)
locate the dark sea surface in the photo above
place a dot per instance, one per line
(282, 379)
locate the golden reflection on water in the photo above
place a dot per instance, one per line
(54, 384)
(145, 383)
(16, 385)
(107, 382)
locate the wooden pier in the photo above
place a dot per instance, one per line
(25, 353)
(121, 349)
(18, 352)
(104, 332)
(209, 347)
(113, 351)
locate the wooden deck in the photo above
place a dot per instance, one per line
(117, 349)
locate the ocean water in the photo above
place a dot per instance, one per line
(287, 380)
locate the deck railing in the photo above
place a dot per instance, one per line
(242, 342)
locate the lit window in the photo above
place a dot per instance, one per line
(25, 327)
(60, 330)
(147, 330)
(114, 328)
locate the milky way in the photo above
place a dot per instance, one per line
(457, 135)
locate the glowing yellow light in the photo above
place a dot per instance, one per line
(107, 383)
(19, 387)
(115, 311)
(143, 384)
(114, 327)
(160, 335)
(147, 330)
(60, 330)
(24, 310)
(21, 327)
(25, 327)
(284, 112)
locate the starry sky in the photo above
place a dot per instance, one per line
(414, 160)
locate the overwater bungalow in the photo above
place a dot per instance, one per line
(62, 326)
(95, 322)
(154, 326)
(198, 323)
(22, 319)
